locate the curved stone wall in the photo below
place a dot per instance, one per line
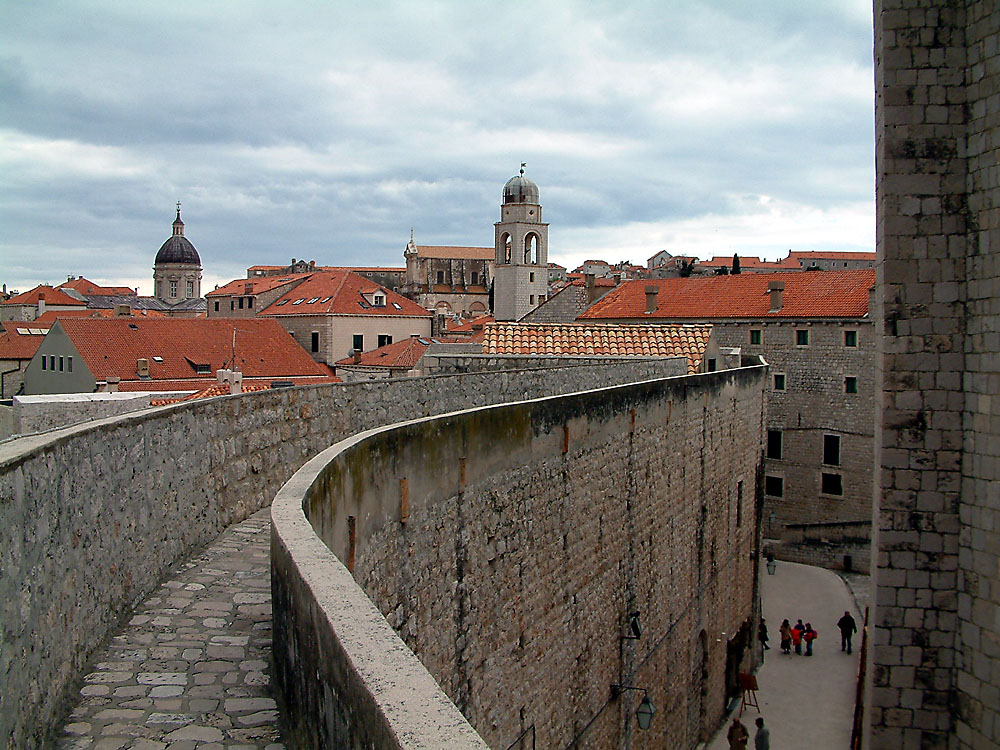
(506, 546)
(92, 516)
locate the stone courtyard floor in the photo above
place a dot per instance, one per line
(191, 669)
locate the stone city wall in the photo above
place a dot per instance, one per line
(446, 362)
(41, 413)
(92, 516)
(507, 546)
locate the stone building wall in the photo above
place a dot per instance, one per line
(41, 413)
(527, 535)
(815, 403)
(937, 622)
(79, 548)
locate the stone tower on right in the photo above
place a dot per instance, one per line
(936, 657)
(521, 274)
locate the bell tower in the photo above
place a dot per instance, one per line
(521, 275)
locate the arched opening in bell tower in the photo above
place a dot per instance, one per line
(505, 243)
(531, 248)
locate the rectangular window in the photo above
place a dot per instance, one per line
(739, 503)
(440, 277)
(315, 341)
(359, 342)
(779, 381)
(173, 288)
(850, 338)
(712, 364)
(61, 364)
(774, 486)
(832, 484)
(801, 337)
(250, 302)
(384, 339)
(69, 364)
(774, 444)
(475, 278)
(44, 362)
(531, 278)
(52, 362)
(241, 303)
(531, 299)
(755, 336)
(232, 304)
(850, 384)
(217, 305)
(831, 450)
(190, 289)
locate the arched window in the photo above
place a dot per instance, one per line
(531, 248)
(505, 244)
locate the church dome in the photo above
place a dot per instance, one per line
(178, 248)
(520, 189)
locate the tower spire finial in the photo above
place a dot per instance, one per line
(523, 165)
(178, 209)
(411, 234)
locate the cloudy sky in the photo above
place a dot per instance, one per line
(326, 130)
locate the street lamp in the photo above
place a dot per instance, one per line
(644, 713)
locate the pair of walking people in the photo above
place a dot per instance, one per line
(796, 635)
(738, 736)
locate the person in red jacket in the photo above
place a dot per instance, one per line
(809, 635)
(797, 631)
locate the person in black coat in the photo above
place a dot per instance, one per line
(847, 630)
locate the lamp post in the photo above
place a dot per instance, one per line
(644, 713)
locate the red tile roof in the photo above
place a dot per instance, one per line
(808, 294)
(574, 339)
(257, 284)
(50, 316)
(449, 251)
(341, 293)
(85, 286)
(263, 349)
(400, 355)
(52, 297)
(219, 389)
(17, 341)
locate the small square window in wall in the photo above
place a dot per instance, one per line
(802, 337)
(831, 450)
(779, 381)
(217, 305)
(774, 486)
(358, 342)
(832, 484)
(850, 384)
(850, 338)
(531, 278)
(756, 336)
(713, 365)
(531, 299)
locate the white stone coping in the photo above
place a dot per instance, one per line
(413, 705)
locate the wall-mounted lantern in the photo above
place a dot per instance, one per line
(644, 713)
(633, 628)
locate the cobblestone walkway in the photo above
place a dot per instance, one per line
(191, 668)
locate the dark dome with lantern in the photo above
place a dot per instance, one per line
(519, 189)
(178, 248)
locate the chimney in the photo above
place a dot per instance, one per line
(477, 326)
(142, 367)
(590, 282)
(357, 356)
(112, 386)
(123, 311)
(69, 278)
(776, 289)
(235, 382)
(221, 376)
(41, 304)
(652, 291)
(617, 277)
(248, 288)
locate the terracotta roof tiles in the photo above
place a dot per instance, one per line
(341, 293)
(52, 297)
(574, 339)
(807, 294)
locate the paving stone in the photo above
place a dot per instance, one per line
(190, 670)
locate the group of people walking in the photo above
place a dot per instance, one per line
(793, 636)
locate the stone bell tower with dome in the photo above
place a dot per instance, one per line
(521, 273)
(177, 268)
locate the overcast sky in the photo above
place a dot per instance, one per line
(326, 130)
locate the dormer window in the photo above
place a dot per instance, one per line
(299, 301)
(313, 301)
(378, 300)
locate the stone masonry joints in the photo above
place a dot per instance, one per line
(192, 667)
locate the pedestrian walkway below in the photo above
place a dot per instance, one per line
(192, 667)
(807, 702)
